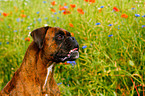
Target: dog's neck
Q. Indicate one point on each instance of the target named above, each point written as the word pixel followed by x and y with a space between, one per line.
pixel 42 69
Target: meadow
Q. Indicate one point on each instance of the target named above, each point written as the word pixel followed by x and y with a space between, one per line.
pixel 111 35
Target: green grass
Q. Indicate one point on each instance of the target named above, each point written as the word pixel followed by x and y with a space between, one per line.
pixel 107 67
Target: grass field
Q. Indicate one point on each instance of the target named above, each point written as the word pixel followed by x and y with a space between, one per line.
pixel 111 35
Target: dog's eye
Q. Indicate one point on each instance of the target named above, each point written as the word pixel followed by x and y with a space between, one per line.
pixel 60 37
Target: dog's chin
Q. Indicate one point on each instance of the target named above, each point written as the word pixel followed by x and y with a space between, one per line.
pixel 71 56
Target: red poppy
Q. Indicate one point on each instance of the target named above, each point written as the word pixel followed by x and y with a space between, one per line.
pixel 124 16
pixel 86 0
pixel 62 8
pixel 27 39
pixel 100 10
pixel 66 63
pixel 116 9
pixel 1 19
pixel 66 12
pixel 72 5
pixel 72 34
pixel 71 25
pixel 92 1
pixel 53 10
pixel 80 10
pixel 65 4
pixel 53 3
pixel 59 5
pixel 5 14
pixel 22 11
pixel 23 15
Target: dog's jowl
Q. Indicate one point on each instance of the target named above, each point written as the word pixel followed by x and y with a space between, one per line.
pixel 50 46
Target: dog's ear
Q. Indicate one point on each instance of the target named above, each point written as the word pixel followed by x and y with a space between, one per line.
pixel 38 35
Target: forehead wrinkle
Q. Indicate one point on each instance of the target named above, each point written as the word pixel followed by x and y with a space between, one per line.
pixel 68 33
pixel 63 30
pixel 50 33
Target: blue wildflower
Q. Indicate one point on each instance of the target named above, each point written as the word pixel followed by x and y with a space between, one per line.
pixel 52 16
pixel 38 12
pixel 143 26
pixel 46 18
pixel 97 23
pixel 18 19
pixel 110 24
pixel 63 10
pixel 55 13
pixel 15 30
pixel 7 42
pixel 118 27
pixel 143 16
pixel 71 62
pixel 74 62
pixel 65 6
pixel 137 15
pixel 84 47
pixel 39 19
pixel 9 26
pixel 0 43
pixel 57 17
pixel 132 8
pixel 34 22
pixel 0 14
pixel 102 7
pixel 59 83
pixel 44 1
pixel 110 35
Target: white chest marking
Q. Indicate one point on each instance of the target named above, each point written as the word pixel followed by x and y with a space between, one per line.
pixel 46 94
pixel 49 69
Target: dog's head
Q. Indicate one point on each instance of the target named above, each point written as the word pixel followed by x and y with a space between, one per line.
pixel 56 44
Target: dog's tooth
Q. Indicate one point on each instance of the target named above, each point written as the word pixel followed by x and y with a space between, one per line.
pixel 68 55
pixel 70 51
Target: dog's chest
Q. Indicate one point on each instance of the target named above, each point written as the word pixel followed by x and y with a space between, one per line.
pixel 49 70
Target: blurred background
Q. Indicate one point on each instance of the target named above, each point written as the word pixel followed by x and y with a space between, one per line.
pixel 111 35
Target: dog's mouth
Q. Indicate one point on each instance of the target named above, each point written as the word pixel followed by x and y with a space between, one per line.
pixel 70 56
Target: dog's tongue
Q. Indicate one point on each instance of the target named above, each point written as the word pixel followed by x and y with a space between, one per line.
pixel 72 51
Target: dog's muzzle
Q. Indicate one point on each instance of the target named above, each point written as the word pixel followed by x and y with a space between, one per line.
pixel 69 50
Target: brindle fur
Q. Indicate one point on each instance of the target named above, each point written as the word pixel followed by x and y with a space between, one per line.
pixel 29 79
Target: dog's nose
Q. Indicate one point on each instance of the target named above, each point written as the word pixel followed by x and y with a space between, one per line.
pixel 75 41
pixel 77 46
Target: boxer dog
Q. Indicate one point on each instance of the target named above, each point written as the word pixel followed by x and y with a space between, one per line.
pixel 50 45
